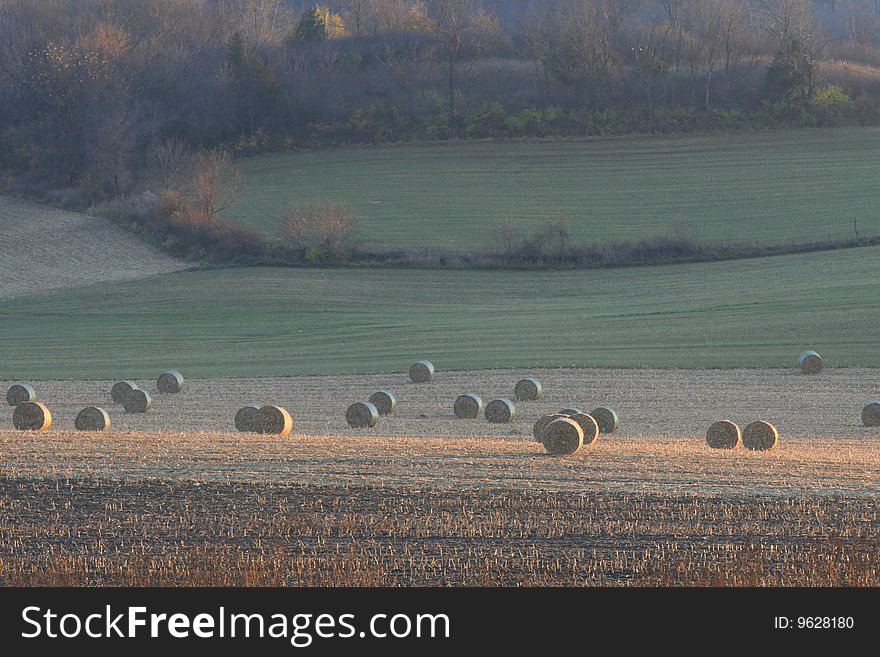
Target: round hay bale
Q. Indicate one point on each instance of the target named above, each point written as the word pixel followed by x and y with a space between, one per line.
pixel 607 419
pixel 810 362
pixel 170 382
pixel 570 411
pixel 538 431
pixel 500 411
pixel 563 437
pixel 468 406
pixel 760 437
pixel 20 393
pixel 871 414
pixel 244 418
pixel 421 372
pixel 384 401
pixel 362 415
pixel 31 416
pixel 589 426
pixel 528 389
pixel 273 420
pixel 120 390
pixel 92 418
pixel 137 401
pixel 724 434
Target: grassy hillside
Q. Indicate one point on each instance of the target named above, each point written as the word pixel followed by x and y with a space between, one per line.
pixel 776 187
pixel 295 322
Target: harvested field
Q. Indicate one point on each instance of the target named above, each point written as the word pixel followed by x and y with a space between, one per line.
pixel 45 249
pixel 650 402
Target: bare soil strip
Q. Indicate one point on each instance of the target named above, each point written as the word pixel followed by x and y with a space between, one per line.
pixel 43 248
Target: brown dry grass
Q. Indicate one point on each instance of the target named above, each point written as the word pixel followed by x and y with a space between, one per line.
pixel 44 248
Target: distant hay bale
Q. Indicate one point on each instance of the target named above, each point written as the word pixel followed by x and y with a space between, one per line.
pixel 589 426
pixel 760 437
pixel 563 437
pixel 500 411
pixel 539 430
pixel 20 393
pixel 724 434
pixel 137 401
pixel 362 415
pixel 120 390
pixel 421 372
pixel 92 418
pixel 871 414
pixel 607 419
pixel 570 411
pixel 811 362
pixel 31 416
pixel 468 406
pixel 244 418
pixel 384 401
pixel 273 420
pixel 170 382
pixel 528 389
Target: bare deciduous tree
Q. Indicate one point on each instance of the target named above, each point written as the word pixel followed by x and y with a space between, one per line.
pixel 215 183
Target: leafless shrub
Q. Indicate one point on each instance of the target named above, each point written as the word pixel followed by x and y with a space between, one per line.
pixel 320 231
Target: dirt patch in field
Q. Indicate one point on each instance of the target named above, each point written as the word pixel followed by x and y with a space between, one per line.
pixel 43 248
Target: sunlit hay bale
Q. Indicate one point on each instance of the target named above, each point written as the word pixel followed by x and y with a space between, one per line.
pixel 170 382
pixel 563 437
pixel 273 420
pixel 528 389
pixel 20 393
pixel 871 414
pixel 538 431
pixel 724 434
pixel 421 372
pixel 120 390
pixel 500 411
pixel 468 406
pixel 607 419
pixel 760 436
pixel 31 416
pixel 589 426
pixel 92 418
pixel 384 401
pixel 811 362
pixel 244 418
pixel 137 401
pixel 570 411
pixel 362 415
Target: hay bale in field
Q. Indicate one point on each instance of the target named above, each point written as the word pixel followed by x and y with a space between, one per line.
pixel 871 414
pixel 20 393
pixel 500 411
pixel 362 415
pixel 538 431
pixel 120 389
pixel 607 419
pixel 528 389
pixel 273 420
pixel 810 362
pixel 31 416
pixel 137 401
pixel 170 382
pixel 760 436
pixel 468 406
pixel 724 434
pixel 589 426
pixel 570 411
pixel 92 418
pixel 244 418
pixel 421 372
pixel 563 437
pixel 384 401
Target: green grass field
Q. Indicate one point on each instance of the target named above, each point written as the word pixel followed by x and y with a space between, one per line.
pixel 778 187
pixel 264 321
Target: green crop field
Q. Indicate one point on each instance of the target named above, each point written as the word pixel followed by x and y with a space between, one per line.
pixel 777 187
pixel 266 321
